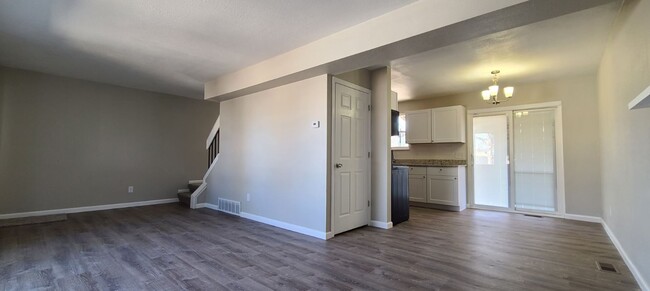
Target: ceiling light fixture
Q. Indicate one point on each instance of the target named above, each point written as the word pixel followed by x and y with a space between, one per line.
pixel 491 94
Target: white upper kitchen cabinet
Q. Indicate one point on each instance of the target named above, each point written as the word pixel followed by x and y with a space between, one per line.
pixel 448 124
pixel 436 125
pixel 418 126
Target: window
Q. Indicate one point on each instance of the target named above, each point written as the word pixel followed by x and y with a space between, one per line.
pixel 399 142
pixel 483 149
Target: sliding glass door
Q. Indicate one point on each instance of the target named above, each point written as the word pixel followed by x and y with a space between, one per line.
pixel 491 172
pixel 513 160
pixel 534 163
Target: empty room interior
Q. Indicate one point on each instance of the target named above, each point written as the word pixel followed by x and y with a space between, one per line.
pixel 437 145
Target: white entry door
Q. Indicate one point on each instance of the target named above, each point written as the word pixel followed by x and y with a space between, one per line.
pixel 350 156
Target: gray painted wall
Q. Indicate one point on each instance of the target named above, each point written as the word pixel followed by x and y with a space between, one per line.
pixel 71 143
pixel 580 135
pixel 625 134
pixel 269 150
pixel 359 77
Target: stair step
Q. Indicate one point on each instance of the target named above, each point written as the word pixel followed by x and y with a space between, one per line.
pixel 185 198
pixel 193 187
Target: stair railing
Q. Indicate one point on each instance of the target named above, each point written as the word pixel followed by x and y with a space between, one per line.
pixel 212 147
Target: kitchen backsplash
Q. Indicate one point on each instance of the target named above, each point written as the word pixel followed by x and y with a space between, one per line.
pixel 443 151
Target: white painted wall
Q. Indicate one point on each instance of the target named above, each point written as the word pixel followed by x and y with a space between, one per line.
pixel 269 149
pixel 625 135
pixel 380 161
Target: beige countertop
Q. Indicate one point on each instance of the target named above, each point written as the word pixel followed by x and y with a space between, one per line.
pixel 430 163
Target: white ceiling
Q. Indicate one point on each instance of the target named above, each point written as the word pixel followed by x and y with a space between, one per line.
pixel 568 45
pixel 167 46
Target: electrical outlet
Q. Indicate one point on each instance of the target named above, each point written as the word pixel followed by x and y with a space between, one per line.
pixel 248 196
pixel 130 189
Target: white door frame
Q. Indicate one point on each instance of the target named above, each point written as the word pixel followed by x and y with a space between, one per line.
pixel 332 156
pixel 559 156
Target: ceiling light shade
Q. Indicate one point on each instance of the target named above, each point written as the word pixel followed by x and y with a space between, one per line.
pixel 491 95
pixel 486 95
pixel 508 91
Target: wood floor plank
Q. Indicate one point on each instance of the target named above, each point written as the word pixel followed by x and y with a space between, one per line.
pixel 168 247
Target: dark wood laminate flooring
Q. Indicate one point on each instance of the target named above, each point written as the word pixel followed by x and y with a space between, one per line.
pixel 168 247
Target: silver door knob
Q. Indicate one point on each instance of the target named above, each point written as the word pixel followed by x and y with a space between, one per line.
pixel 339 165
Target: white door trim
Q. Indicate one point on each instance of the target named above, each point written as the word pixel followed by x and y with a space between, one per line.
pixel 332 156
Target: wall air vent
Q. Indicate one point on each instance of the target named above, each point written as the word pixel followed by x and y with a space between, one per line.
pixel 229 206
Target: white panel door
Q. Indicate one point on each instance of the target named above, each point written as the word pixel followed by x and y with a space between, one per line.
pixel 418 126
pixel 445 125
pixel 350 157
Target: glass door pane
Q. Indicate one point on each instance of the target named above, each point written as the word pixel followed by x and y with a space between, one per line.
pixel 490 142
pixel 534 164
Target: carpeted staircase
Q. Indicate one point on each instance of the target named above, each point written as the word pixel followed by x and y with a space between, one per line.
pixel 186 196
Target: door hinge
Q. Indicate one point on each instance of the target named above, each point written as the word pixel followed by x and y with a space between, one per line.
pixel 368 154
pixel 368 203
pixel 369 107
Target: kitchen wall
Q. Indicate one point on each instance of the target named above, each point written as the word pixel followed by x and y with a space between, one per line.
pixel 268 149
pixel 70 143
pixel 579 99
pixel 624 73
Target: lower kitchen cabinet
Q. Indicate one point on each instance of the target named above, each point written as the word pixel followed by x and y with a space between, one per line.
pixel 418 188
pixel 442 190
pixel 444 186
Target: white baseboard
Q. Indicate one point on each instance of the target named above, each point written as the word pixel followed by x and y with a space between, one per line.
pixel 381 224
pixel 285 225
pixel 587 218
pixel 87 208
pixel 635 272
pixel 207 205
pixel 276 223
